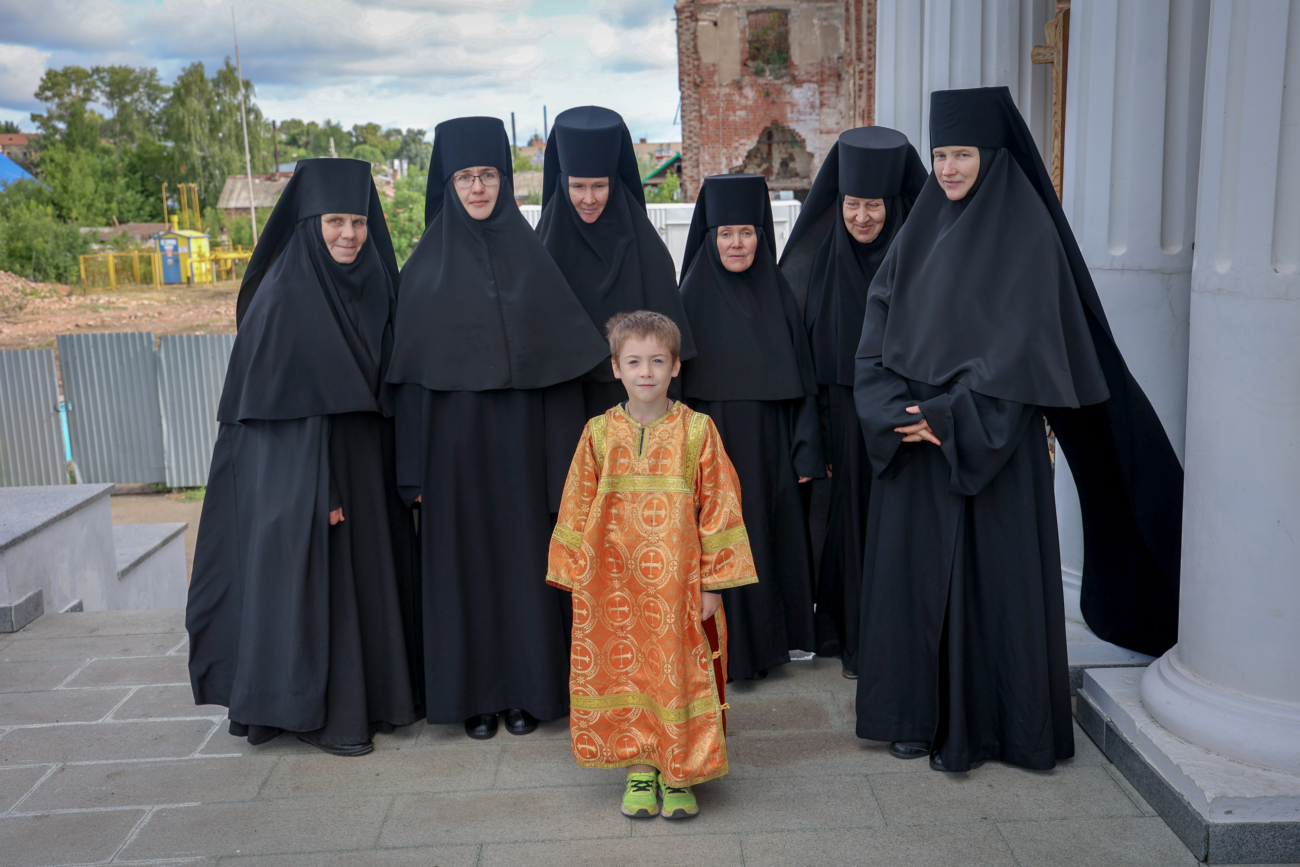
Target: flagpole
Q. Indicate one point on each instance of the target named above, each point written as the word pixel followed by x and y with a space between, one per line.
pixel 243 113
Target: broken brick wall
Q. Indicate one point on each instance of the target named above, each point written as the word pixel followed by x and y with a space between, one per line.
pixel 768 87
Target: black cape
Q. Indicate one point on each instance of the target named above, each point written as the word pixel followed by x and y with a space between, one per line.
pixel 296 625
pixel 490 342
pixel 754 377
pixel 830 272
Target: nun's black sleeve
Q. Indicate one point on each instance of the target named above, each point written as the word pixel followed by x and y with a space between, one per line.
pixel 806 450
pixel 882 398
pixel 978 435
pixel 408 424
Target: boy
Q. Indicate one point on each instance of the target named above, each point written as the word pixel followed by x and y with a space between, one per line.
pixel 650 529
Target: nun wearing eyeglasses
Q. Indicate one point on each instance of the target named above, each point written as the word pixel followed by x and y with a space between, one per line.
pixel 490 343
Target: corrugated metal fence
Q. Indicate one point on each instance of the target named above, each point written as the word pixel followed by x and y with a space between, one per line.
pixel 31 444
pixel 191 371
pixel 114 419
pixel 134 415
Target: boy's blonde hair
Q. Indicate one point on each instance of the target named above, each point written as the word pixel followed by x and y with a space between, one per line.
pixel 643 324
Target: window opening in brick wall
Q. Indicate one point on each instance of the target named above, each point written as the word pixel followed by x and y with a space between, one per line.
pixel 769 44
pixel 781 156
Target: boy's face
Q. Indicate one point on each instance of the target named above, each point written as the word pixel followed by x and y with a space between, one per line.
pixel 645 367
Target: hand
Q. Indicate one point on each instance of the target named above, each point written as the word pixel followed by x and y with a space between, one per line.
pixel 710 603
pixel 828 471
pixel 420 499
pixel 915 433
pixel 803 479
pixel 336 516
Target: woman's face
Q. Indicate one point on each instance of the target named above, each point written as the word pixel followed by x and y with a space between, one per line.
pixel 864 218
pixel 956 167
pixel 737 246
pixel 345 235
pixel 478 188
pixel 589 197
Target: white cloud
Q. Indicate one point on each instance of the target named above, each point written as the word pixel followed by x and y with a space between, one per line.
pixel 396 62
pixel 21 68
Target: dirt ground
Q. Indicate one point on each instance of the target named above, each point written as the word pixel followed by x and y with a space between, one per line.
pixel 33 314
pixel 159 509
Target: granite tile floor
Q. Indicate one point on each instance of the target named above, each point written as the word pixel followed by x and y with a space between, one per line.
pixel 104 759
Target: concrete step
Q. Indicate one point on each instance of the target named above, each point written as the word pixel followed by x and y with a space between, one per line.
pixel 1085 650
pixel 150 566
pixel 56 547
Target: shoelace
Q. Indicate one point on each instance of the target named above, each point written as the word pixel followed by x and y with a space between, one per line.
pixel 673 790
pixel 641 787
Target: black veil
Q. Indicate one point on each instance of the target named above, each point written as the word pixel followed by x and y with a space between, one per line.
pixel 618 263
pixel 829 271
pixel 485 306
pixel 314 336
pixel 747 326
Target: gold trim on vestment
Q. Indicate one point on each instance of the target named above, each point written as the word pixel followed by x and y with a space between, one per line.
pixel 641 701
pixel 656 484
pixel 698 426
pixel 598 426
pixel 715 543
pixel 751 578
pixel 563 534
pixel 552 578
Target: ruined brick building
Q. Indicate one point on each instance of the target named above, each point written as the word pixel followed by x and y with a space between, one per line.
pixel 767 87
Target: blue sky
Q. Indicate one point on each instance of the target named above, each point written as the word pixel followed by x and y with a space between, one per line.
pixel 407 63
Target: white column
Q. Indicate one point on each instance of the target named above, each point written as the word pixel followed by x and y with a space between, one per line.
pixel 1232 683
pixel 1132 145
pixel 944 44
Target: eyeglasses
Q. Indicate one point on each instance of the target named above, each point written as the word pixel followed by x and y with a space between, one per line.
pixel 465 180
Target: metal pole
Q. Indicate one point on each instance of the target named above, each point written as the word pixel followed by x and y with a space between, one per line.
pixel 166 219
pixel 243 113
pixel 514 139
pixel 275 145
pixel 545 134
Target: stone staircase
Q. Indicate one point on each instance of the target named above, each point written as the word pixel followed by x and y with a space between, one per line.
pixel 59 551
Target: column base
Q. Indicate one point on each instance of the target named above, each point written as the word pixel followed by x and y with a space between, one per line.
pixel 1085 650
pixel 1225 811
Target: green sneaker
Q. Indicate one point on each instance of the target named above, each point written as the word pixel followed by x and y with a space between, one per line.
pixel 678 803
pixel 639 800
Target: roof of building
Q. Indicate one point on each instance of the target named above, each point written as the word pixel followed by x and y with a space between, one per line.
pixel 266 191
pixel 10 171
pixel 17 138
pixel 658 174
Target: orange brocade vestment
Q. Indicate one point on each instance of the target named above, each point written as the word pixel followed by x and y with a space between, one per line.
pixel 650 518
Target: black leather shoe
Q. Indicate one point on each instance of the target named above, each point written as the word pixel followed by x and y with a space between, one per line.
pixel 520 722
pixel 339 750
pixel 909 749
pixel 937 764
pixel 482 727
pixel 851 675
pixel 761 674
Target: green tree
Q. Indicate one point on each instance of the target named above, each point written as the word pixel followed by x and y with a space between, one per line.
pixel 135 97
pixel 68 118
pixel 668 191
pixel 33 242
pixel 405 213
pixel 8 126
pixel 369 153
pixel 413 147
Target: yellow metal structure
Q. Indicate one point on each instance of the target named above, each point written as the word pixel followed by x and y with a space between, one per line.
pixel 145 267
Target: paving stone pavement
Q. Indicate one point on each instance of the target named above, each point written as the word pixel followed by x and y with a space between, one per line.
pixel 104 759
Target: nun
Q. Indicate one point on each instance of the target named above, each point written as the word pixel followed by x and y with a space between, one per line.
pixel 490 343
pixel 982 321
pixel 860 199
pixel 753 376
pixel 299 605
pixel 595 227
